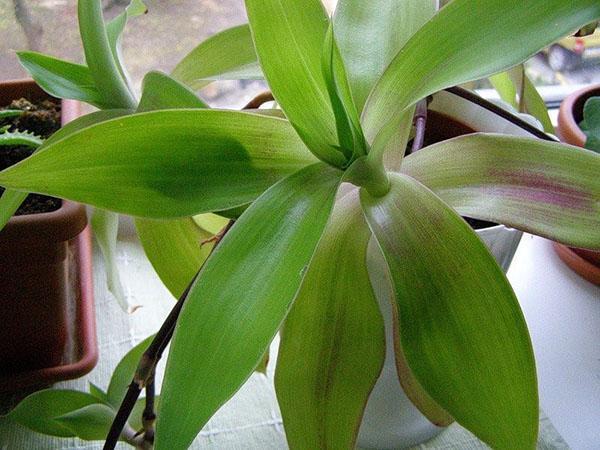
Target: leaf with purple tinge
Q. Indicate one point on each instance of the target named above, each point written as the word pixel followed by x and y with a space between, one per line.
pixel 535 186
pixel 461 328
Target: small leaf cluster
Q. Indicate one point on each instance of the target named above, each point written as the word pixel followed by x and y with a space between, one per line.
pixel 86 415
pixel 591 123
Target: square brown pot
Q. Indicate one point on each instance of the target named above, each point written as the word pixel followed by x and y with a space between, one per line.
pixel 44 315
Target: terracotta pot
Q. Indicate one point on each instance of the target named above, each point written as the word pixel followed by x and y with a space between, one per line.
pixel 585 262
pixel 36 280
pixel 390 419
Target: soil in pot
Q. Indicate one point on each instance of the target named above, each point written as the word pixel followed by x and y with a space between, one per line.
pixel 41 118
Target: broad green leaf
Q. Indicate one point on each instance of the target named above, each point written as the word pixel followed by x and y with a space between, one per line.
pixel 212 223
pixel 103 68
pixel 178 162
pixel 383 288
pixel 332 344
pixel 11 200
pixel 97 392
pixel 83 122
pixel 227 55
pixel 9 204
pixel 173 247
pixel 544 188
pixel 468 40
pixel 90 423
pixel 123 373
pixel 240 299
pixel 505 87
pixel 174 250
pixel 39 411
pixel 62 79
pixel 159 91
pixel 462 331
pixel 106 228
pixel 371 33
pixel 289 37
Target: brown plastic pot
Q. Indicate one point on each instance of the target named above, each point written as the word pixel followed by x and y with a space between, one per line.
pixel 48 328
pixel 585 262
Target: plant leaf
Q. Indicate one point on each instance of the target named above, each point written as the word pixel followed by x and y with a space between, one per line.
pixel 514 81
pixel 544 188
pixel 535 105
pixel 211 223
pixel 468 40
pixel 9 204
pixel 123 373
pixel 371 33
pixel 106 228
pixel 240 299
pixel 62 79
pixel 39 410
pixel 90 423
pixel 591 123
pixel 104 69
pixel 349 132
pixel 83 122
pixel 503 84
pixel 289 37
pixel 9 113
pixel 97 392
pixel 383 287
pixel 11 200
pixel 178 162
pixel 10 138
pixel 461 328
pixel 160 91
pixel 332 344
pixel 174 250
pixel 228 55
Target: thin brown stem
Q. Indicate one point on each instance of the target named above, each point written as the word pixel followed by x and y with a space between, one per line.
pixel 260 100
pixel 149 416
pixel 420 122
pixel 144 375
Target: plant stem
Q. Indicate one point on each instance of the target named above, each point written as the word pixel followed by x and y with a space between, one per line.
pixel 259 100
pixel 420 121
pixel 149 416
pixel 474 98
pixel 144 374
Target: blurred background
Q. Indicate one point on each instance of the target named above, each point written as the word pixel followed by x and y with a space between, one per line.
pixel 172 28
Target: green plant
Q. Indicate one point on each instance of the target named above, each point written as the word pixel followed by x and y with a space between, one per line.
pixel 591 123
pixel 87 415
pixel 296 258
